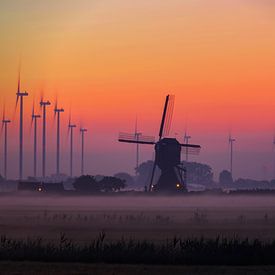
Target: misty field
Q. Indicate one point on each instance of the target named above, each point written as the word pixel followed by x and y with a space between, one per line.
pixel 157 219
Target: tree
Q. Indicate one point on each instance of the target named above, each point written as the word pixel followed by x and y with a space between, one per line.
pixel 144 171
pixel 198 173
pixel 225 178
pixel 86 184
pixel 110 184
pixel 129 180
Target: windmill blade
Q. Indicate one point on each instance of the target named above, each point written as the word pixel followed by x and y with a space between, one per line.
pixel 166 116
pixel 170 110
pixel 191 149
pixel 133 138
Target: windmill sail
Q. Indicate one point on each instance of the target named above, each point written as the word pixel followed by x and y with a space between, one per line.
pixel 166 116
pixel 190 149
pixel 133 138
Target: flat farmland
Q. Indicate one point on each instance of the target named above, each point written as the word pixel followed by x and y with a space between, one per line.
pixel 82 218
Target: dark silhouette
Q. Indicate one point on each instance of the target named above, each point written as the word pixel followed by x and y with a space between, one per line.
pixel 198 173
pixel 111 184
pixel 129 180
pixel 144 171
pixel 167 153
pixel 225 178
pixel 86 184
pixel 89 184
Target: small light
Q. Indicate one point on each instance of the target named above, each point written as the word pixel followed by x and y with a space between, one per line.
pixel 39 189
pixel 178 185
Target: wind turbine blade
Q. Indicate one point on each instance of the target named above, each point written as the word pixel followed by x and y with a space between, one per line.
pixel 41 98
pixel 18 84
pixel 32 115
pixel 4 112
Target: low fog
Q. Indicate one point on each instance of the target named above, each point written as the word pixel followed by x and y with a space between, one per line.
pixel 137 217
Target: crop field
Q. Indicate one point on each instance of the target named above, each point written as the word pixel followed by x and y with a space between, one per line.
pixel 135 217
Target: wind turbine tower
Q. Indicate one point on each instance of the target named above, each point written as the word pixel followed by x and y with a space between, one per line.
pixel 186 141
pixel 19 97
pixel 34 122
pixel 44 105
pixel 137 138
pixel 274 157
pixel 57 112
pixel 82 131
pixel 231 141
pixel 71 128
pixel 5 123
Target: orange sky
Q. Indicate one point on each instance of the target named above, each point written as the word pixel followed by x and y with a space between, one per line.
pixel 112 60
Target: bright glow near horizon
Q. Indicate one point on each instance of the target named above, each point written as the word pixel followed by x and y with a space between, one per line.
pixel 112 60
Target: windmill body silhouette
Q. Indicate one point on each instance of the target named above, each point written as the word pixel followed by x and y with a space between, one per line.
pixel 20 97
pixel 57 112
pixel 167 153
pixel 5 123
pixel 44 105
pixel 70 131
pixel 35 117
pixel 82 131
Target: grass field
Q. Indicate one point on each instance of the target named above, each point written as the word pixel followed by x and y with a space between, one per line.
pixel 151 218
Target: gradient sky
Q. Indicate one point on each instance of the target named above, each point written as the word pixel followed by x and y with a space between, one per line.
pixel 110 61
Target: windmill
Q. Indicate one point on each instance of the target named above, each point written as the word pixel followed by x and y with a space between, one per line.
pixel 43 105
pixel 57 112
pixel 231 141
pixel 167 153
pixel 19 97
pixel 5 123
pixel 34 123
pixel 70 131
pixel 186 141
pixel 82 131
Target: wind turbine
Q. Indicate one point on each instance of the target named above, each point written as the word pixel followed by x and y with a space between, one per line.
pixel 186 141
pixel 5 123
pixel 19 97
pixel 82 131
pixel 57 112
pixel 43 105
pixel 137 137
pixel 231 141
pixel 34 122
pixel 70 131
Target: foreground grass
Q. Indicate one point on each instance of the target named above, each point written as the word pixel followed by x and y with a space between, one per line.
pixel 31 268
pixel 176 251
